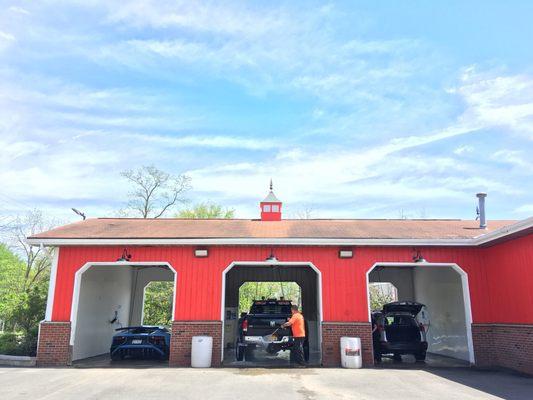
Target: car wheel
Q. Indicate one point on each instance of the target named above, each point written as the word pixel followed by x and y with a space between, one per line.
pixel 397 357
pixel 116 357
pixel 239 353
pixel 420 356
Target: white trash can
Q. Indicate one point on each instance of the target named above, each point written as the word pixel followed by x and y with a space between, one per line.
pixel 201 351
pixel 351 353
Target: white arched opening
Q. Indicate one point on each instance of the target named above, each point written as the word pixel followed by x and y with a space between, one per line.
pixel 426 267
pixel 276 263
pixel 105 298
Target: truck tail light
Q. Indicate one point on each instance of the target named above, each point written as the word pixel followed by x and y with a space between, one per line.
pixel 381 328
pixel 422 327
pixel 244 325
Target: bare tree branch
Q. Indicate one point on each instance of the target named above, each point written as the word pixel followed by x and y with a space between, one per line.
pixel 37 261
pixel 155 191
pixel 307 211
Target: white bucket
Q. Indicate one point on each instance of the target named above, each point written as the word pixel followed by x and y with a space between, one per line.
pixel 201 351
pixel 351 353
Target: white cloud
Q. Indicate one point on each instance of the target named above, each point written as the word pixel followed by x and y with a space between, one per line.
pixel 221 142
pixel 6 40
pixel 513 157
pixel 498 101
pixel 18 10
pixel 463 150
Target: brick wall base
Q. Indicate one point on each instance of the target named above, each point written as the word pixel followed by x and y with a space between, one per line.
pixel 504 345
pixel 53 349
pixel 181 339
pixel 331 337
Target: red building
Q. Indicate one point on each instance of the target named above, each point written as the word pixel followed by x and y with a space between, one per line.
pixel 476 281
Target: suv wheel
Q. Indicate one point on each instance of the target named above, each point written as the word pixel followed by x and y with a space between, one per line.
pixel 420 356
pixel 239 350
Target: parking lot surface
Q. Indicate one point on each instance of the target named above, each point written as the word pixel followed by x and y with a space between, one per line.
pixel 260 384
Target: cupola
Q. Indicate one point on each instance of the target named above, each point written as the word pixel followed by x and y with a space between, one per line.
pixel 270 207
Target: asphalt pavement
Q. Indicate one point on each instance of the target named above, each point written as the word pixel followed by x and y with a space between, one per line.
pixel 260 384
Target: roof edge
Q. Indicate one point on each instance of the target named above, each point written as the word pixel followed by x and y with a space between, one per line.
pixel 504 231
pixel 484 239
pixel 249 241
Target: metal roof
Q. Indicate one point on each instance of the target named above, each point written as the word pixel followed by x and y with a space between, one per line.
pixel 271 198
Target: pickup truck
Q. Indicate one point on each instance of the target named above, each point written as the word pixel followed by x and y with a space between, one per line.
pixel 264 317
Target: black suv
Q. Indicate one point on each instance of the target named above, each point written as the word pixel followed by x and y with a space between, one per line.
pixel 399 332
pixel 264 318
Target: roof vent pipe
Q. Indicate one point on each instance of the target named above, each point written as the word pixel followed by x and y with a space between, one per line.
pixel 481 210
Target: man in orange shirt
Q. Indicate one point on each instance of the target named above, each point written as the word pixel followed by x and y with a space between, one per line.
pixel 297 325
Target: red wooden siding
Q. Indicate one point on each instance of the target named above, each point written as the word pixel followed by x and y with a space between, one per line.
pixel 199 282
pixel 509 272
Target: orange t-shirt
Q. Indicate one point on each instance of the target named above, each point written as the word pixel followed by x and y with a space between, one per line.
pixel 297 325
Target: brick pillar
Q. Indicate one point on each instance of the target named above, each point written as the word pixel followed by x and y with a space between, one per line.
pixel 181 339
pixel 331 338
pixel 483 345
pixel 504 345
pixel 53 348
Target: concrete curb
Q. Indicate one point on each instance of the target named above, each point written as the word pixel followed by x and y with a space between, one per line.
pixel 17 361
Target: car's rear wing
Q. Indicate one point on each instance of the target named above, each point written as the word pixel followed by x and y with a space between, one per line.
pixel 147 327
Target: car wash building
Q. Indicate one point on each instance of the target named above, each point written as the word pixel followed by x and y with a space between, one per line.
pixel 475 277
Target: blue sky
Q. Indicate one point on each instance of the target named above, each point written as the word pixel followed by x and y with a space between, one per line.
pixel 355 109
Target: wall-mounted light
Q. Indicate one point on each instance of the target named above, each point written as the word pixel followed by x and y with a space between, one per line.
pixel 345 253
pixel 125 257
pixel 418 258
pixel 201 253
pixel 271 258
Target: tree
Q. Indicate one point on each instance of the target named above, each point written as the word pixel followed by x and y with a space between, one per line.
pixel 205 211
pixel 158 302
pixel 306 212
pixel 11 282
pixel 24 276
pixel 155 191
pixel 21 306
pixel 37 259
pixel 381 293
pixel 250 291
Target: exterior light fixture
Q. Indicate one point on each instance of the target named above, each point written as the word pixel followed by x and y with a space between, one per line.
pixel 79 213
pixel 271 258
pixel 201 253
pixel 345 253
pixel 125 257
pixel 418 258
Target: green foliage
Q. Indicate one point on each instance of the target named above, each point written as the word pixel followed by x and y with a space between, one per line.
pixel 22 303
pixel 11 281
pixel 11 344
pixel 206 211
pixel 251 291
pixel 381 294
pixel 158 303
